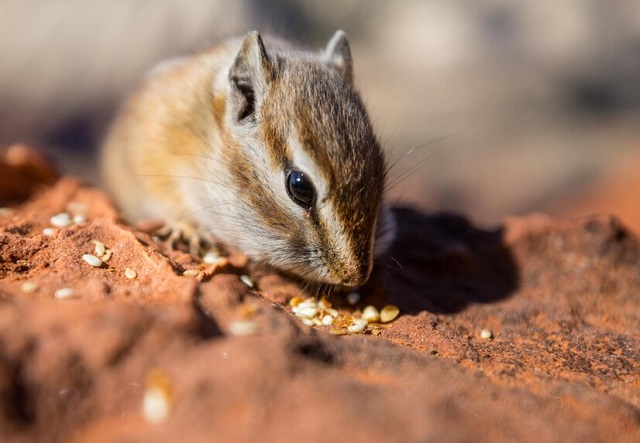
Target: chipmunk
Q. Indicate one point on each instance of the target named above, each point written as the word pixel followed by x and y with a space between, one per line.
pixel 267 149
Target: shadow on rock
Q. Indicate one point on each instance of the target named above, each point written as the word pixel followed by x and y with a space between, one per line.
pixel 441 263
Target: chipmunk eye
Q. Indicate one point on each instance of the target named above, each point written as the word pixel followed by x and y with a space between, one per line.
pixel 300 189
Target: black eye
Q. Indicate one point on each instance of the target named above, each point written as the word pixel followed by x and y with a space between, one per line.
pixel 300 189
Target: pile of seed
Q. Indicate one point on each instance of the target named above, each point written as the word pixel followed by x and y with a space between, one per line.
pixel 319 312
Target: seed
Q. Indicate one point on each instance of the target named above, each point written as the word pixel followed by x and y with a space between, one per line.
pixel 247 280
pixel 337 331
pixel 212 258
pixel 242 328
pixel 79 219
pixel 107 255
pixel 371 314
pixel 295 301
pixel 324 304
pixel 61 220
pixel 99 248
pixel 353 298
pixel 308 303
pixel 48 232
pixel 486 334
pixel 156 402
pixel 130 273
pixel 358 325
pixel 6 211
pixel 389 313
pixel 63 293
pixel 29 287
pixel 333 312
pixel 191 273
pixel 327 320
pixel 92 260
pixel 307 321
pixel 306 312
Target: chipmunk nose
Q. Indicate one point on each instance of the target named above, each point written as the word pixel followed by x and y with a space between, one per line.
pixel 357 275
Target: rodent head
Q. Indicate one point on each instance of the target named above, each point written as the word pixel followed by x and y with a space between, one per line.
pixel 304 161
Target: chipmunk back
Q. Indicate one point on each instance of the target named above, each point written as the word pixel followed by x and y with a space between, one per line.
pixel 267 148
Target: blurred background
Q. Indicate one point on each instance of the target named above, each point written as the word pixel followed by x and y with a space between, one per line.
pixel 490 108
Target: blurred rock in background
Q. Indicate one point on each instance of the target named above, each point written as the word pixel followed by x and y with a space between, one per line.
pixel 539 99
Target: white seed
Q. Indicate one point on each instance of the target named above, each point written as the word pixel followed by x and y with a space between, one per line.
pixel 79 219
pixel 6 211
pixel 99 248
pixel 358 325
pixel 155 405
pixel 333 312
pixel 486 334
pixel 327 320
pixel 307 321
pixel 323 304
pixel 303 311
pixel 389 313
pixel 370 314
pixel 130 273
pixel 61 220
pixel 48 232
pixel 212 258
pixel 242 328
pixel 29 287
pixel 191 273
pixel 309 303
pixel 63 293
pixel 92 260
pixel 247 280
pixel 353 298
pixel 107 255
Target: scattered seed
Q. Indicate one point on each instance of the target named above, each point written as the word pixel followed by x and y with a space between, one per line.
pixel 247 280
pixel 212 258
pixel 327 320
pixel 305 312
pixel 371 314
pixel 389 313
pixel 486 334
pixel 191 273
pixel 48 232
pixel 107 255
pixel 130 273
pixel 29 287
pixel 333 312
pixel 61 220
pixel 99 248
pixel 307 321
pixel 156 402
pixel 92 260
pixel 243 328
pixel 79 219
pixel 5 211
pixel 353 298
pixel 295 301
pixel 337 331
pixel 358 325
pixel 63 293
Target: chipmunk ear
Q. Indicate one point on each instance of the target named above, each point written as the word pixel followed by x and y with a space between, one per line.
pixel 249 75
pixel 338 52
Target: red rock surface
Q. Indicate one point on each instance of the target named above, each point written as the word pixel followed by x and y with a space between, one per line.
pixel 561 299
